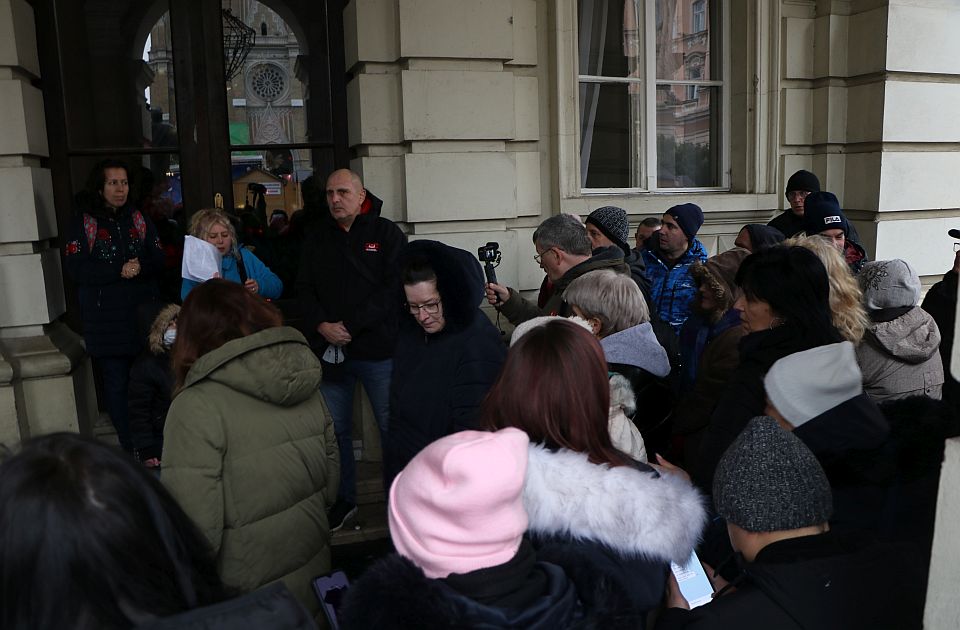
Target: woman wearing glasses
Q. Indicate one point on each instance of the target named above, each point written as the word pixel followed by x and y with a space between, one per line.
pixel 448 352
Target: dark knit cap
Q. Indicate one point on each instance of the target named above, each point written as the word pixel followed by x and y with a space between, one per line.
pixel 768 480
pixel 821 211
pixel 612 221
pixel 688 216
pixel 803 180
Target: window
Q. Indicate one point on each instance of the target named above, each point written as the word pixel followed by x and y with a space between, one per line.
pixel 650 95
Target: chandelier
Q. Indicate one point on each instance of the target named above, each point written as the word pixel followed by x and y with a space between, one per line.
pixel 238 39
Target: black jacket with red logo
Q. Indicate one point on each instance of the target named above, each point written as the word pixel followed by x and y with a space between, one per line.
pixel 353 277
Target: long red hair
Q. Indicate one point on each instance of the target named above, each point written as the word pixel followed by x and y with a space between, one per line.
pixel 554 386
pixel 214 313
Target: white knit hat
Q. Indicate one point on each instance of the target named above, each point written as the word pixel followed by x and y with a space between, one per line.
pixel 805 384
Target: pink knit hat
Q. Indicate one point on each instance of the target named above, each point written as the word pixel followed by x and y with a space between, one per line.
pixel 457 506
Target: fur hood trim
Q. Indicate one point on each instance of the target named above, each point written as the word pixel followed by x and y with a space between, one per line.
pixel 159 327
pixel 634 513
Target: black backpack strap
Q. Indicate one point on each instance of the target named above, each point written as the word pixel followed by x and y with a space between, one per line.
pixel 241 269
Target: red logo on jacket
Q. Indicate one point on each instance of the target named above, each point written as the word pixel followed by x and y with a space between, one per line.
pixel 371 247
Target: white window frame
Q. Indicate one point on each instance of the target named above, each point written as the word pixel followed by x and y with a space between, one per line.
pixel 648 109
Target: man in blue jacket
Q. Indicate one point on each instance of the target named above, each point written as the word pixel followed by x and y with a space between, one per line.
pixel 668 258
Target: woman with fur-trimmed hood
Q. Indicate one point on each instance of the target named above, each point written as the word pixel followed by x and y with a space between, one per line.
pixel 448 352
pixel 151 388
pixel 613 524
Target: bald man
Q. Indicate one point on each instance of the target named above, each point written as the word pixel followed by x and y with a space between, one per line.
pixel 349 292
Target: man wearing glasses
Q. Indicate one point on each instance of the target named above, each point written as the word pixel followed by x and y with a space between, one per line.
pixel 800 184
pixel 563 251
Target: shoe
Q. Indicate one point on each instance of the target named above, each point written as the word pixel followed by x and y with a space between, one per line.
pixel 340 513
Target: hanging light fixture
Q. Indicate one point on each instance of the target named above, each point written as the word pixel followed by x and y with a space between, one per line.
pixel 238 39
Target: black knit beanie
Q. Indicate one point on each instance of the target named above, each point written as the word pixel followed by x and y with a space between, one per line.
pixel 803 180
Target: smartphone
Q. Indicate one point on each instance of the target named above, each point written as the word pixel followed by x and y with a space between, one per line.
pixel 330 590
pixel 694 583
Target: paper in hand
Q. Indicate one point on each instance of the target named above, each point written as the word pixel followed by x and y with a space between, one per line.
pixel 201 260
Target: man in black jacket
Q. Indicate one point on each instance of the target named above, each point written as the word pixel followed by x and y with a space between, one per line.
pixel 796 573
pixel 349 293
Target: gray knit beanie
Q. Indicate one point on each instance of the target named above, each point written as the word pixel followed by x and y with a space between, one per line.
pixel 768 481
pixel 612 221
pixel 889 284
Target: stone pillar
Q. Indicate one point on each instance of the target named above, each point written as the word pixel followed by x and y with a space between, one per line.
pixel 943 606
pixel 46 383
pixel 445 118
pixel 869 105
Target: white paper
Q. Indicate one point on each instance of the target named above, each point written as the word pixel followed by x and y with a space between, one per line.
pixel 201 260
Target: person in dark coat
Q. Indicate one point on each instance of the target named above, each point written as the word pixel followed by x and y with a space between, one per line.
pixel 941 303
pixel 151 388
pixel 800 184
pixel 822 215
pixel 708 347
pixel 755 237
pixel 796 572
pixel 448 352
pixel 457 520
pixel 114 256
pixel 785 308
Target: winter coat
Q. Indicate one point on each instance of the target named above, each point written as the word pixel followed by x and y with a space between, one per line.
pixel 621 526
pixel 744 396
pixel 790 225
pixel 636 355
pixel 941 303
pixel 854 254
pixel 440 379
pixel 150 389
pixel 249 453
pixel 353 277
pixel 900 357
pixel 270 285
pixel 851 443
pixel 99 244
pixel 394 594
pixel 638 271
pixel 270 608
pixel 822 582
pixel 518 309
pixel 672 286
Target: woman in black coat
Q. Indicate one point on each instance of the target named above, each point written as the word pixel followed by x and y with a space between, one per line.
pixel 448 352
pixel 151 388
pixel 784 309
pixel 114 257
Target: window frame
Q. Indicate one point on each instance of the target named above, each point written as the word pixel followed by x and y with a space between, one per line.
pixel 648 167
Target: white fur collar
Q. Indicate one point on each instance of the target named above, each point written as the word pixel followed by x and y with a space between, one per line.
pixel 632 512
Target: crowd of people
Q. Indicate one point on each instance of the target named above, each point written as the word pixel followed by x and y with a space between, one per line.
pixel 778 409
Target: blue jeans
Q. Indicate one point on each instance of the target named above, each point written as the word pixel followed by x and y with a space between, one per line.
pixel 375 376
pixel 115 374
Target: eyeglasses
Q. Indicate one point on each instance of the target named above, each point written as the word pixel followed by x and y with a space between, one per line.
pixel 798 194
pixel 431 308
pixel 539 257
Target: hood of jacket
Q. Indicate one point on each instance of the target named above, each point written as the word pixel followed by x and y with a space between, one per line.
pixel 460 280
pixel 370 209
pixel 160 324
pixel 720 272
pixel 275 365
pixel 633 512
pixel 395 593
pixel 763 236
pixel 637 346
pixel 634 260
pixel 913 337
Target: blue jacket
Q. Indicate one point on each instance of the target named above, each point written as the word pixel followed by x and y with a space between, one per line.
pixel 672 288
pixel 270 285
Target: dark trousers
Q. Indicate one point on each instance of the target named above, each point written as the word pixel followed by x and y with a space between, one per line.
pixel 115 375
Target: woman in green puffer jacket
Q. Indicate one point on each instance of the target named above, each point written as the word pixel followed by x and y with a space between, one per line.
pixel 249 449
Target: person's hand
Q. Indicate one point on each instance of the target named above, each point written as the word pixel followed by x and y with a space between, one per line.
pixel 495 291
pixel 251 286
pixel 153 462
pixel 335 333
pixel 130 269
pixel 675 598
pixel 716 580
pixel 666 467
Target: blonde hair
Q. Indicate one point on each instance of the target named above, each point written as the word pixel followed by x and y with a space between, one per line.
pixel 611 297
pixel 203 220
pixel 846 298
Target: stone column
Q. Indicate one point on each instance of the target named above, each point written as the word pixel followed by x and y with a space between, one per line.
pixel 46 382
